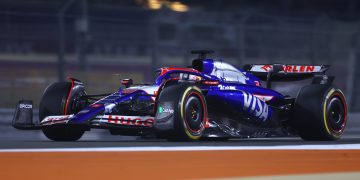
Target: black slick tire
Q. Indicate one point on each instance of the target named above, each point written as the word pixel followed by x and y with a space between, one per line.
pixel 189 113
pixel 320 113
pixel 53 103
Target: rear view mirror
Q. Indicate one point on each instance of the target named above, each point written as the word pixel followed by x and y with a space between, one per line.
pixel 127 82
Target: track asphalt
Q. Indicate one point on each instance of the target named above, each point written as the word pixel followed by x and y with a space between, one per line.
pixel 26 144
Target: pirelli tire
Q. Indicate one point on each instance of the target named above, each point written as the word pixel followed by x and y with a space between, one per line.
pixel 53 102
pixel 320 113
pixel 188 121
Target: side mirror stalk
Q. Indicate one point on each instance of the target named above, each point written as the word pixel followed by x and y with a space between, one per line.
pixel 276 68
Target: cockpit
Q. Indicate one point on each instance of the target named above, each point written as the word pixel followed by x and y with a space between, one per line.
pixel 215 70
pixel 224 71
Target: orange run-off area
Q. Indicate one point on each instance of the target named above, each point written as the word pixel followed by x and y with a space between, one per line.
pixel 174 164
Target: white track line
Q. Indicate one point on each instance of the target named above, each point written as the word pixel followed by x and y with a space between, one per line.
pixel 312 176
pixel 190 148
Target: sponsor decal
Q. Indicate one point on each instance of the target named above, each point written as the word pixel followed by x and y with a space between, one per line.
pixel 224 87
pixel 162 109
pixel 191 77
pixel 288 68
pixel 264 98
pixel 266 67
pixel 255 106
pixel 25 106
pixel 292 68
pixel 145 121
pixel 56 119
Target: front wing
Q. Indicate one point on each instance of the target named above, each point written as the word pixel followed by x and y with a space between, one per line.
pixel 24 112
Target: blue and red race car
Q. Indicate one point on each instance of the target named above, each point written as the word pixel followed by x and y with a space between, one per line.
pixel 209 100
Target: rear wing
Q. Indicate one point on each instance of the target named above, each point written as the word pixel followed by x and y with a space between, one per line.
pixel 286 69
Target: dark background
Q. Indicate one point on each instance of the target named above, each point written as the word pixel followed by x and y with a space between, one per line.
pixel 100 41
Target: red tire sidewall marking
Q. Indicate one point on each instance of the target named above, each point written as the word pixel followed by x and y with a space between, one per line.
pixel 203 122
pixel 343 103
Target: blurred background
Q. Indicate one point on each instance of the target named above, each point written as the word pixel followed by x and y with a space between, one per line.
pixel 100 41
pixel 44 41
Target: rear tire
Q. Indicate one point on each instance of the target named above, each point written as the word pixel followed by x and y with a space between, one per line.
pixel 320 113
pixel 53 103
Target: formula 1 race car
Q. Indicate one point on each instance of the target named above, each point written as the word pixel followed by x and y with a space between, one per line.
pixel 211 100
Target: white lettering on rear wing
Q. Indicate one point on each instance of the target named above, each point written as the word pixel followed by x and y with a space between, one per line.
pixel 290 68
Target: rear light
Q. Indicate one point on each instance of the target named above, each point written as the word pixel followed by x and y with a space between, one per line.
pixel 210 82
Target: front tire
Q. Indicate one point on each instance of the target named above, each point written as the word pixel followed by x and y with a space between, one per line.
pixel 320 113
pixel 53 102
pixel 188 119
pixel 191 124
